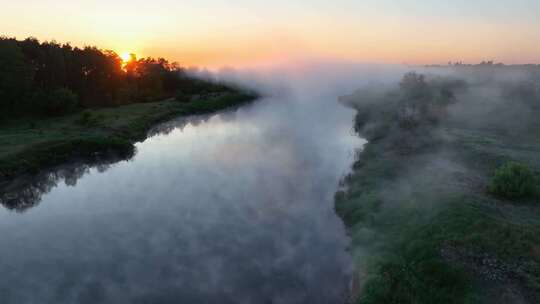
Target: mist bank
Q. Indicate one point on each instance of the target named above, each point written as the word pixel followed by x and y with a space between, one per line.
pixel 442 204
pixel 235 207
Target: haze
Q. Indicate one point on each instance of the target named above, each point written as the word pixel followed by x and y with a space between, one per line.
pixel 216 33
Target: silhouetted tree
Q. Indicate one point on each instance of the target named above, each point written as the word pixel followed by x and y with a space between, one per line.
pixel 48 78
pixel 15 78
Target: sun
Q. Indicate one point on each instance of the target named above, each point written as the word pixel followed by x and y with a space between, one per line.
pixel 126 57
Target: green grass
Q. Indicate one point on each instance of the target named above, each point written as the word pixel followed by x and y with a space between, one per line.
pixel 513 181
pixel 398 238
pixel 415 270
pixel 421 231
pixel 28 145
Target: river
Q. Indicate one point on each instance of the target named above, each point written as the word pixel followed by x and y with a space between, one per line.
pixel 235 207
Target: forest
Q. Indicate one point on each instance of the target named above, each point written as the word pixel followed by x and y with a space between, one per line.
pixel 44 79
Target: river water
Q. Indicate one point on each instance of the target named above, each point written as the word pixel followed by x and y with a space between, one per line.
pixel 235 207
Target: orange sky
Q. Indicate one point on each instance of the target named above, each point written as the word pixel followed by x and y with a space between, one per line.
pixel 244 33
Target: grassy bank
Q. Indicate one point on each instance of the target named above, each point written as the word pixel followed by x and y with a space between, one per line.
pixel 425 223
pixel 29 145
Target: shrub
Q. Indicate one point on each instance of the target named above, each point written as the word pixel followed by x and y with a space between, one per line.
pixel 85 119
pixel 409 116
pixel 88 119
pixel 414 85
pixel 181 97
pixel 61 101
pixel 513 181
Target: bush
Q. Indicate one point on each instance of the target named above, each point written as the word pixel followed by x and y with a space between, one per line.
pixel 513 181
pixel 181 97
pixel 60 102
pixel 88 119
pixel 414 85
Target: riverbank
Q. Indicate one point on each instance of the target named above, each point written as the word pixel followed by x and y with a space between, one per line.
pixel 26 146
pixel 424 224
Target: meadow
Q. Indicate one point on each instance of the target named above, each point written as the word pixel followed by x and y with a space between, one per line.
pixel 442 204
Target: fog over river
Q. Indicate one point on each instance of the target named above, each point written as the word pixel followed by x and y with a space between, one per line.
pixel 235 207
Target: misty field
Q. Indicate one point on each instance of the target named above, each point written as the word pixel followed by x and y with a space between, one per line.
pixel 442 206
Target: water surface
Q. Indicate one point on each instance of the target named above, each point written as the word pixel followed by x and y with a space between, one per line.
pixel 235 207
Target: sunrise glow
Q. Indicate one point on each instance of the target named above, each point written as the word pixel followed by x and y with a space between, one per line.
pixel 216 33
pixel 125 56
pixel 255 151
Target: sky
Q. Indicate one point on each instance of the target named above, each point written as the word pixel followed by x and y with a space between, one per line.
pixel 240 33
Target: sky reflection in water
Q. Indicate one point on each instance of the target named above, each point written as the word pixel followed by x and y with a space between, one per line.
pixel 228 208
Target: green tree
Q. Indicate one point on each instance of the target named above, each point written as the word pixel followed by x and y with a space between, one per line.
pixel 15 78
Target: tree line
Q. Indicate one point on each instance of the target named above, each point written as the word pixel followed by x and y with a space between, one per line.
pixel 49 78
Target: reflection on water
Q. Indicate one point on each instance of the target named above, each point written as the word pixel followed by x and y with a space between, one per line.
pixel 229 208
pixel 26 191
